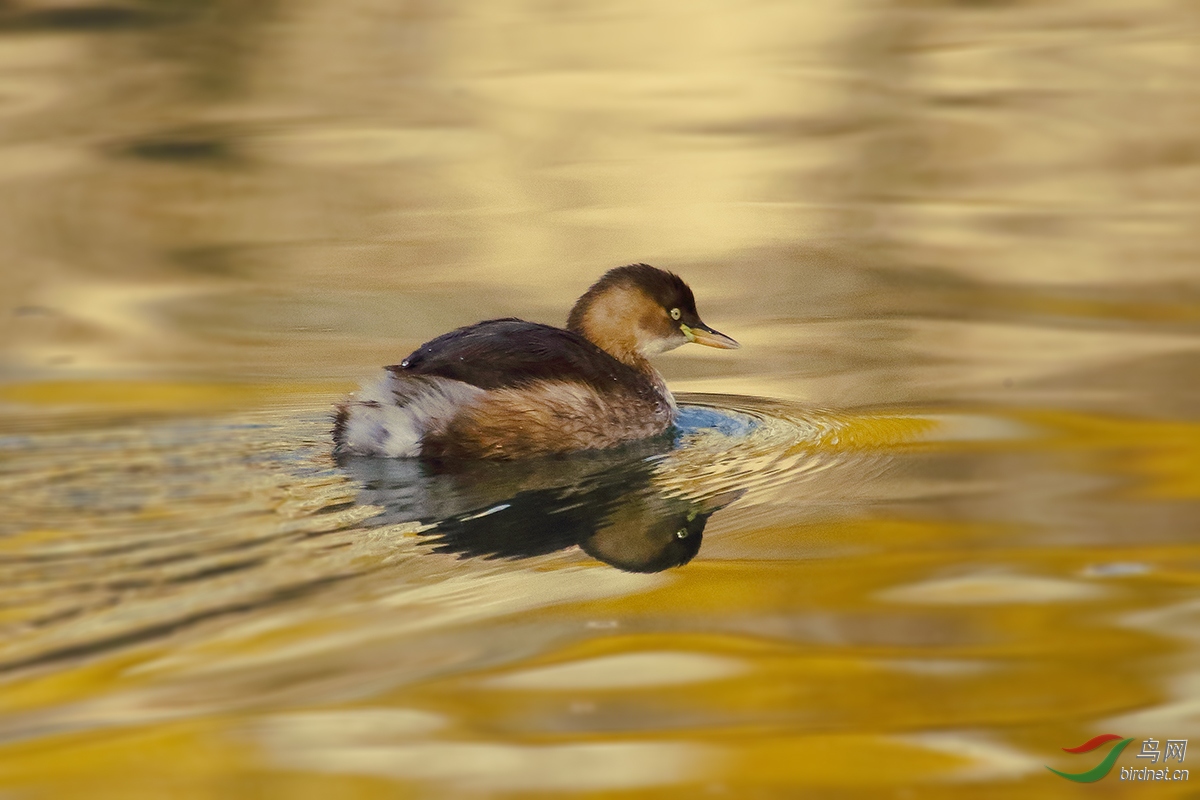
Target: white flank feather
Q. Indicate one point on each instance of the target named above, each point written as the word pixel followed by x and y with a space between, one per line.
pixel 390 416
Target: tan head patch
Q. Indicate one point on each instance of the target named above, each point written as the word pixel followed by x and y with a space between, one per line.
pixel 629 324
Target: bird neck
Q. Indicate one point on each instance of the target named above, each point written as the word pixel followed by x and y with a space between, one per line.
pixel 609 321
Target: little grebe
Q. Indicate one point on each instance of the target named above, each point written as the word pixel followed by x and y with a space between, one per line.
pixel 507 388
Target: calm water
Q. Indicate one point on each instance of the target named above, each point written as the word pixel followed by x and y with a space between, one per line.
pixel 934 522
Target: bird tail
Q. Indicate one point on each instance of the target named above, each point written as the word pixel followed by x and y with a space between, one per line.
pixel 391 416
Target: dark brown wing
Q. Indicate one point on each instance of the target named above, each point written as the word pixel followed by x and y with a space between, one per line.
pixel 503 353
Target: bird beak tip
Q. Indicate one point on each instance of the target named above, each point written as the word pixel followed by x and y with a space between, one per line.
pixel 710 338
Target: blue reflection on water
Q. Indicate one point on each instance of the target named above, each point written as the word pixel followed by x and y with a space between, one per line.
pixel 694 419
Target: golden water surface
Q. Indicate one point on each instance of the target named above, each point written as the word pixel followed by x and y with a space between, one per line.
pixel 947 493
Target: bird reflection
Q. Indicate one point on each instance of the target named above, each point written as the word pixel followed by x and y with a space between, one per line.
pixel 603 502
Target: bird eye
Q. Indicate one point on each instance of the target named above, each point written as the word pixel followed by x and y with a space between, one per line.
pixel 675 313
pixel 681 533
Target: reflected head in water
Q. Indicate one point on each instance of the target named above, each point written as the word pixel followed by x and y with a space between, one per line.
pixel 653 532
pixel 603 502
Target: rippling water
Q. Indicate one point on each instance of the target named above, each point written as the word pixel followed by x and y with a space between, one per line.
pixel 934 522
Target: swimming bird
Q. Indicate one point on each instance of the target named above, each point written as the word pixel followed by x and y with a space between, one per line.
pixel 507 388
